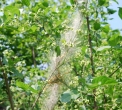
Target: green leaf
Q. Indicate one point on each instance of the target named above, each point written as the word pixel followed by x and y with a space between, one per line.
pixel 58 51
pixel 33 90
pixel 111 11
pixel 35 9
pixel 102 81
pixel 26 2
pixel 83 107
pixel 69 94
pixel 34 28
pixel 109 90
pixel 22 85
pixel 8 30
pixel 120 59
pixel 5 60
pixel 120 12
pixel 113 41
pixel 45 4
pixel 0 21
pixel 16 73
pixel 116 1
pixel 58 35
pixel 1 83
pixel 103 47
pixel 101 2
pixel 106 28
pixel 96 25
pixel 72 2
pixel 25 87
pixel 84 49
pixel 74 94
pixel 65 97
pixel 10 11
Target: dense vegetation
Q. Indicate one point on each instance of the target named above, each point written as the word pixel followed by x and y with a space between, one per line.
pixel 31 31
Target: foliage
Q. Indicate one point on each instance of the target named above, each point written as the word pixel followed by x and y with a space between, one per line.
pixel 30 29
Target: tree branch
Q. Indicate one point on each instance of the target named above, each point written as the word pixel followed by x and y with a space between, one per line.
pixel 90 45
pixel 33 55
pixel 91 58
pixel 115 71
pixel 7 87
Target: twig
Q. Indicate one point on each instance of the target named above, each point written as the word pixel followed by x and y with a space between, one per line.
pixel 115 71
pixel 90 45
pixel 91 59
pixel 7 87
pixel 104 97
pixel 63 82
pixel 33 105
pixel 33 55
pixel 95 103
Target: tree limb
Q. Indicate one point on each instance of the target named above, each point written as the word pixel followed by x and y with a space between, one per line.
pixel 115 71
pixel 7 87
pixel 91 58
pixel 90 45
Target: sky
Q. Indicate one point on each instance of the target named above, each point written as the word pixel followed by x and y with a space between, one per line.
pixel 116 23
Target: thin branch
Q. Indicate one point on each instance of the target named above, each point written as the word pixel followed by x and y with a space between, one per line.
pixel 7 87
pixel 115 71
pixel 75 71
pixel 91 58
pixel 95 103
pixel 90 45
pixel 63 82
pixel 33 105
pixel 33 55
pixel 8 90
pixel 104 97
